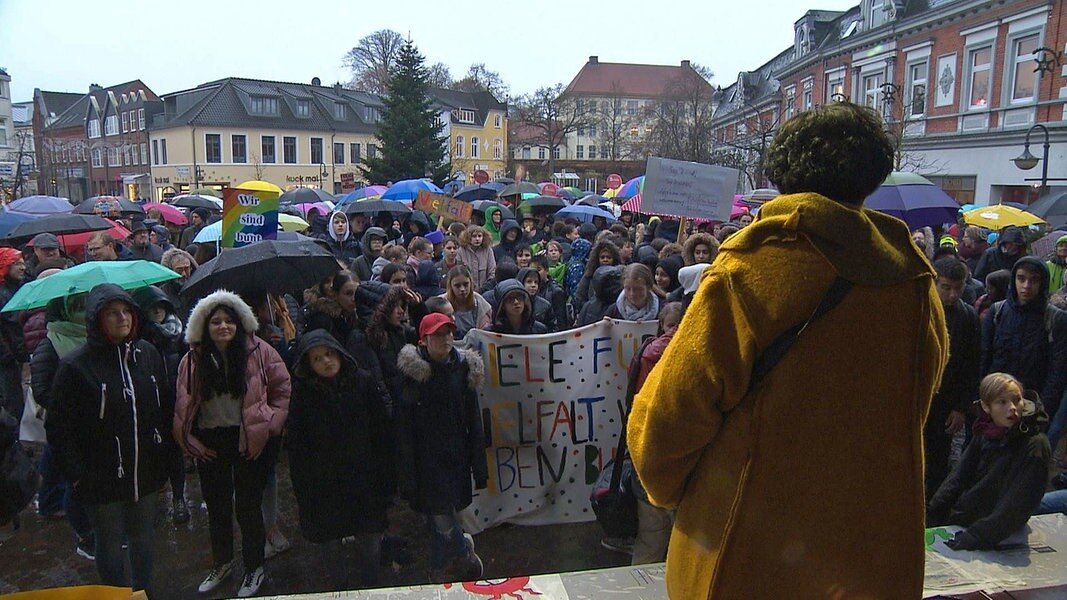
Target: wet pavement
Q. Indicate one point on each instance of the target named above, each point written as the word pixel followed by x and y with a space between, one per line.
pixel 41 554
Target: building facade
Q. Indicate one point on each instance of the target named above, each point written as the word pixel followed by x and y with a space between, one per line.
pixel 959 84
pixel 476 127
pixel 8 168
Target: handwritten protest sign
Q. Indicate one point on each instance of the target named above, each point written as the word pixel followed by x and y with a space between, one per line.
pixel 443 206
pixel 687 189
pixel 552 406
pixel 248 216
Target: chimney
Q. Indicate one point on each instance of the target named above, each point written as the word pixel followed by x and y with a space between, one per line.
pixel 315 81
pixel 594 60
pixel 686 65
pixel 95 87
pixel 337 87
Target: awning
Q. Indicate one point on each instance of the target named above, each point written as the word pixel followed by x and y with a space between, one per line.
pixel 133 178
pixel 568 176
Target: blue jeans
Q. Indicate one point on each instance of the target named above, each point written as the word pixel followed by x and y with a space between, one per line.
pixel 447 540
pixel 53 489
pixel 126 521
pixel 1053 502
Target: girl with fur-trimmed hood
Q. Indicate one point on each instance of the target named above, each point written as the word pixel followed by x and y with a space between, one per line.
pixel 233 398
pixel 700 248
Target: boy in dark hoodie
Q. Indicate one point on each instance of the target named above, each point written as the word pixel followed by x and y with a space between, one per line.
pixel 607 283
pixel 510 236
pixel 373 241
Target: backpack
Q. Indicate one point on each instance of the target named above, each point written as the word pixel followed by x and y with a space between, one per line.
pixel 1050 316
pixel 19 478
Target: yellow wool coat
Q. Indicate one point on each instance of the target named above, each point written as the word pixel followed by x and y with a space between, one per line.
pixel 811 486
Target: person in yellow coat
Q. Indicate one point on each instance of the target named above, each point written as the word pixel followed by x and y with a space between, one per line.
pixel 810 485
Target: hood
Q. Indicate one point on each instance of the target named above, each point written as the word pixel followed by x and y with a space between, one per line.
pixel 419 218
pixel 162 234
pixel 98 297
pixel 204 308
pixel 1012 235
pixel 607 283
pixel 489 225
pixel 524 273
pixel 689 277
pixel 330 231
pixel 428 279
pixel 889 255
pixel 580 249
pixel 673 265
pixel 311 339
pixel 1037 265
pixel 149 296
pixel 373 231
pixel 504 288
pixel 1033 419
pixel 507 225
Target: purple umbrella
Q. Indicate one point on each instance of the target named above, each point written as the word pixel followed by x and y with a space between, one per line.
pixel 914 200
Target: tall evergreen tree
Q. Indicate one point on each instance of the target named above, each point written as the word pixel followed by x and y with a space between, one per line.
pixel 409 132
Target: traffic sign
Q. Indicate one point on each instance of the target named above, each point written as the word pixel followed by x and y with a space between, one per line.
pixel 614 181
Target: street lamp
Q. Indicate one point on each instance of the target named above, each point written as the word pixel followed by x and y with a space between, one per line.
pixel 323 174
pixel 1027 161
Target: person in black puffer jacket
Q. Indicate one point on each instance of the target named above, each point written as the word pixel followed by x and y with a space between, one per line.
pixel 510 236
pixel 339 441
pixel 107 429
pixel 1011 246
pixel 1001 476
pixel 514 312
pixel 543 311
pixel 607 283
pixel 339 239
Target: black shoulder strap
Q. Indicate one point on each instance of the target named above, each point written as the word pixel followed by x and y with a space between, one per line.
pixel 784 342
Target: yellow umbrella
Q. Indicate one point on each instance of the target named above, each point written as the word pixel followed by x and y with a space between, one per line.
pixel 260 186
pixel 999 216
pixel 611 193
pixel 291 222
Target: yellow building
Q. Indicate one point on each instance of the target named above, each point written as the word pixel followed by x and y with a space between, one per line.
pixel 476 126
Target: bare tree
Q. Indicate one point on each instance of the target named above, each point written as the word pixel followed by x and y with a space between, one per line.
pixel 680 122
pixel 23 142
pixel 553 116
pixel 903 125
pixel 617 119
pixel 257 166
pixel 440 76
pixel 481 79
pixel 372 60
pixel 747 150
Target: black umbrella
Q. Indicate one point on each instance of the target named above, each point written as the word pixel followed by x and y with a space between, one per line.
pixel 486 191
pixel 542 204
pixel 271 266
pixel 1053 204
pixel 304 195
pixel 504 180
pixel 482 205
pixel 195 201
pixel 524 187
pixel 592 200
pixel 59 225
pixel 89 206
pixel 374 207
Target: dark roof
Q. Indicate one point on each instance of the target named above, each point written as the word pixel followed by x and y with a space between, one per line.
pixel 643 81
pixel 480 102
pixel 55 103
pixel 73 116
pixel 78 105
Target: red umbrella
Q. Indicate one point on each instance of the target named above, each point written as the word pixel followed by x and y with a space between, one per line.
pixel 170 214
pixel 74 243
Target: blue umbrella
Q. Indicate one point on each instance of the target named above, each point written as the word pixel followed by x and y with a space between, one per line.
pixel 585 213
pixel 914 200
pixel 408 189
pixel 41 205
pixel 8 220
pixel 451 187
pixel 485 191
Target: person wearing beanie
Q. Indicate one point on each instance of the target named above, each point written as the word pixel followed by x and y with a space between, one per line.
pixel 1057 265
pixel 12 348
pixel 1010 247
pixel 698 417
pixel 198 220
pixel 160 236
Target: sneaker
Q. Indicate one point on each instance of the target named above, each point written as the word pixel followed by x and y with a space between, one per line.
pixel 250 584
pixel 624 545
pixel 87 548
pixel 474 562
pixel 181 512
pixel 275 545
pixel 215 577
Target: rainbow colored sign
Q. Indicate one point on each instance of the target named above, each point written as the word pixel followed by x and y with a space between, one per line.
pixel 248 216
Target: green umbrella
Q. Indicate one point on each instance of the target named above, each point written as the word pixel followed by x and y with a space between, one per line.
pixel 127 274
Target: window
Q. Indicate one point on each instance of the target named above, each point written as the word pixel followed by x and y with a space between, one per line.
pixel 125 154
pixel 354 152
pixel 98 159
pixel 526 152
pixel 163 150
pixel 372 151
pixel 835 84
pixel 316 151
pixel 474 147
pixel 631 107
pixel 94 128
pixel 140 119
pixel 289 150
pixel 807 99
pixel 633 132
pixel 917 90
pixel 266 149
pixel 464 115
pixel 303 108
pixel 1024 79
pixel 239 148
pixel 980 79
pixel 872 92
pixel 155 152
pixel 125 124
pixel 880 12
pixel 213 148
pixel 555 153
pixel 371 115
pixel 339 112
pixel 579 151
pixel 498 149
pixel 113 159
pixel 592 152
pixel 338 153
pixel 581 130
pixel 144 153
pixel 541 152
pixel 497 121
pixel 459 146
pixel 111 125
pixel 790 102
pixel 264 105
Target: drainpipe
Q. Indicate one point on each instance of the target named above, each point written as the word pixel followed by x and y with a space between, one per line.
pixel 196 170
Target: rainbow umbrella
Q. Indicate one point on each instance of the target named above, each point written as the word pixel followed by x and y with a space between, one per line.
pixel 370 191
pixel 632 188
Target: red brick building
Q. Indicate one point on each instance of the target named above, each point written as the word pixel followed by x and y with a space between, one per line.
pixel 958 82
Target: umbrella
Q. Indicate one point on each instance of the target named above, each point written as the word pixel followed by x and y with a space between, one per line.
pixel 1044 246
pixel 914 200
pixel 9 219
pixel 525 187
pixel 376 206
pixel 999 216
pixel 206 192
pixel 291 223
pixel 632 188
pixel 408 189
pixel 255 185
pixel 170 214
pixel 485 191
pixel 1050 205
pixel 548 188
pixel 504 180
pixel 305 195
pixel 451 187
pixel 79 279
pixel 542 203
pixel 370 191
pixel 577 193
pixel 59 224
pixel 197 201
pixel 74 243
pixel 114 203
pixel 482 205
pixel 585 213
pixel 592 200
pixel 41 205
pixel 323 208
pixel 760 195
pixel 271 266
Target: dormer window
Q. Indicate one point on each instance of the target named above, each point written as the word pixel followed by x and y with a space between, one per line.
pixel 303 108
pixel 878 12
pixel 464 115
pixel 371 115
pixel 339 111
pixel 264 105
pixel 802 42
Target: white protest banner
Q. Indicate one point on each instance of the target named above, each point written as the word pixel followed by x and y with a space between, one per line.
pixel 687 189
pixel 552 406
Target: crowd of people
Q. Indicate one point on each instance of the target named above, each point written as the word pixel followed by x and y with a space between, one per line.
pixel 363 381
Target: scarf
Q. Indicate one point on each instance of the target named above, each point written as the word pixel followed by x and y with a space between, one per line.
pixel 985 427
pixel 629 312
pixel 66 336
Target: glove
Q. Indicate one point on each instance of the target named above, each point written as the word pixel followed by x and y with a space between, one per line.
pixel 963 540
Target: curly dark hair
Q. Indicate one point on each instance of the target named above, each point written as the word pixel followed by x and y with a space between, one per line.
pixel 379 321
pixel 840 150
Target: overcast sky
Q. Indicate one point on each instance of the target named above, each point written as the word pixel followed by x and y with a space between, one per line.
pixel 64 45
